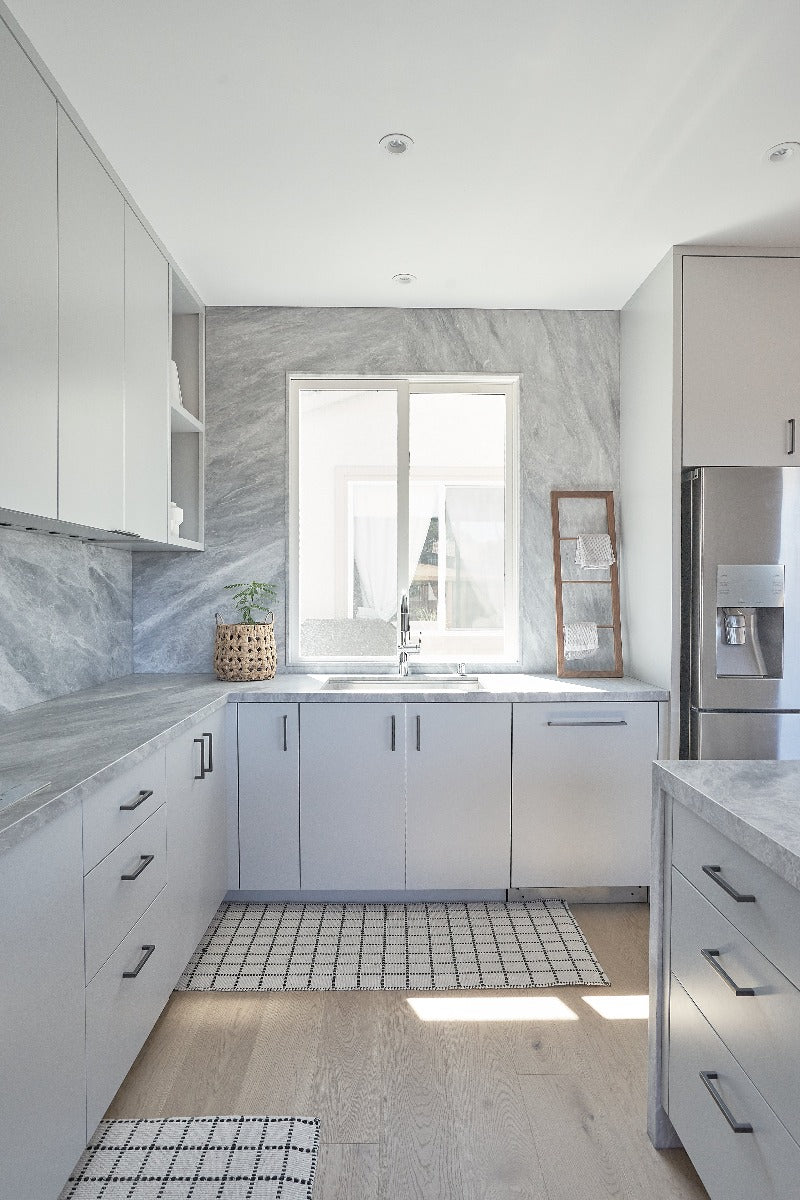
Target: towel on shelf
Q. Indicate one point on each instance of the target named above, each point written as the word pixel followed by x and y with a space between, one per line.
pixel 593 552
pixel 580 639
pixel 175 397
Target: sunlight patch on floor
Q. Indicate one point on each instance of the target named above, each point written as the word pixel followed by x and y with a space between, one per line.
pixel 620 1008
pixel 491 1008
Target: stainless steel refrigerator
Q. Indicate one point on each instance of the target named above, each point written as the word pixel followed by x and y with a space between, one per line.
pixel 740 654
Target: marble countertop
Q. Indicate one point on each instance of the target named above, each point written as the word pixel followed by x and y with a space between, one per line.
pixel 755 804
pixel 80 742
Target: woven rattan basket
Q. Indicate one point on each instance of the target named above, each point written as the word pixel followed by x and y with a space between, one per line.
pixel 245 652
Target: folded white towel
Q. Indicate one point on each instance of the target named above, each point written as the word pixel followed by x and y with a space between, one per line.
pixel 580 639
pixel 175 397
pixel 593 552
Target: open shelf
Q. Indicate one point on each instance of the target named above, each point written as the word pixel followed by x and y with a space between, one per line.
pixel 187 435
pixel 182 421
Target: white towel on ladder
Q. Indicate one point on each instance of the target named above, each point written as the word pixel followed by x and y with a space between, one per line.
pixel 594 552
pixel 580 639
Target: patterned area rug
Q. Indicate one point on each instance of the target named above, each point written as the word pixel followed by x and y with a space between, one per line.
pixel 382 947
pixel 198 1158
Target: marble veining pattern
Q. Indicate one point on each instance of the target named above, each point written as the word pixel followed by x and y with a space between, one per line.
pixel 569 437
pixel 65 616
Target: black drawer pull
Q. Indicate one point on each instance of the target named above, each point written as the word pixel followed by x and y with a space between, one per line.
pixel 201 743
pixel 739 897
pixel 146 859
pixel 419 733
pixel 210 764
pixel 285 732
pixel 140 799
pixel 736 1126
pixel 393 739
pixel 146 952
pixel 711 957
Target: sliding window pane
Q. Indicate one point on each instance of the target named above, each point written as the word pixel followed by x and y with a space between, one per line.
pixel 347 523
pixel 457 524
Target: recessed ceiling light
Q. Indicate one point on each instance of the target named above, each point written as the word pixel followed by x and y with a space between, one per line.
pixel 782 151
pixel 404 277
pixel 396 143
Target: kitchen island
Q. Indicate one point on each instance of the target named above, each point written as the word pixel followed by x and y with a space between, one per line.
pixel 725 972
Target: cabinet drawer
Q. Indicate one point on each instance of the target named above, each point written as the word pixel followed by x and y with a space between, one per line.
pixel 767 921
pixel 120 1010
pixel 751 1026
pixel 113 903
pixel 121 806
pixel 763 1164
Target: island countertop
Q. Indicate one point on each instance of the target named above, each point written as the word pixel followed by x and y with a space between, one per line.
pixel 77 743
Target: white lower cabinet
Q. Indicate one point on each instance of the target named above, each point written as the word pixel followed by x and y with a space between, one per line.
pixel 269 796
pixel 458 807
pixel 43 1090
pixel 196 831
pixel 123 1002
pixel 352 797
pixel 581 786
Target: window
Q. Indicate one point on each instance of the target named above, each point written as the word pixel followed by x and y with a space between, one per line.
pixel 403 485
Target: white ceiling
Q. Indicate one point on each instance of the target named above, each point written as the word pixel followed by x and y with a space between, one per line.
pixel 561 148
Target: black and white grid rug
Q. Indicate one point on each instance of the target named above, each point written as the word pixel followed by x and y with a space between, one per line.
pixel 198 1158
pixel 383 947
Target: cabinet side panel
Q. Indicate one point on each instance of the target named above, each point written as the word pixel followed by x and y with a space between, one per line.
pixel 43 1094
pixel 28 287
pixel 649 520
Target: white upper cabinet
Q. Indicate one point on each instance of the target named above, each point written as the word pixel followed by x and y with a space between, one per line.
pixel 91 258
pixel 28 286
pixel 147 433
pixel 741 361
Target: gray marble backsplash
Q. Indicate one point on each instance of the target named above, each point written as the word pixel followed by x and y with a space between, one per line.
pixel 569 436
pixel 65 616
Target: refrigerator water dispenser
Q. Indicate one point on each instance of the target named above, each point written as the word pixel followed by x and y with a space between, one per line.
pixel 750 600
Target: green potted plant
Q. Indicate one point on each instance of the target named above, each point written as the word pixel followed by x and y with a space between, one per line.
pixel 245 651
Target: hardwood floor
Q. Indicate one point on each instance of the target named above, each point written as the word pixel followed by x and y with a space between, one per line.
pixel 414 1110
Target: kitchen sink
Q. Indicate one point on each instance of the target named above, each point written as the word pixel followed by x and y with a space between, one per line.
pixel 402 683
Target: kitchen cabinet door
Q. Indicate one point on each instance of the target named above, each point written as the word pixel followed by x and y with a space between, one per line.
pixel 458 832
pixel 28 286
pixel 741 361
pixel 42 1001
pixel 196 831
pixel 581 793
pixel 91 323
pixel 269 796
pixel 147 432
pixel 352 797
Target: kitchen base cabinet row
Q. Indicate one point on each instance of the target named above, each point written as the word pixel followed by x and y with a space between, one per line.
pixel 387 797
pixel 100 911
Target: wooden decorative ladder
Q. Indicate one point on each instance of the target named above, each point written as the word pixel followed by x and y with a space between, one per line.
pixel 613 582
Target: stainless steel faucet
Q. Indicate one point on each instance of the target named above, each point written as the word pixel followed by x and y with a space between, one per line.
pixel 405 646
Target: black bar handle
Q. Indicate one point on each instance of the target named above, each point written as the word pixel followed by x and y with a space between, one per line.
pixel 147 951
pixel 144 863
pixel 210 766
pixel 736 1126
pixel 419 729
pixel 394 733
pixel 739 897
pixel 711 957
pixel 790 423
pixel 140 799
pixel 201 743
pixel 285 732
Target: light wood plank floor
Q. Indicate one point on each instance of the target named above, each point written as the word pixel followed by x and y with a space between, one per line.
pixel 413 1110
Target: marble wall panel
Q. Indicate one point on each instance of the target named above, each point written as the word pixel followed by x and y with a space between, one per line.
pixel 569 438
pixel 65 616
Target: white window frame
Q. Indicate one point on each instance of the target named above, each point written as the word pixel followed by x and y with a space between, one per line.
pixel 405 385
